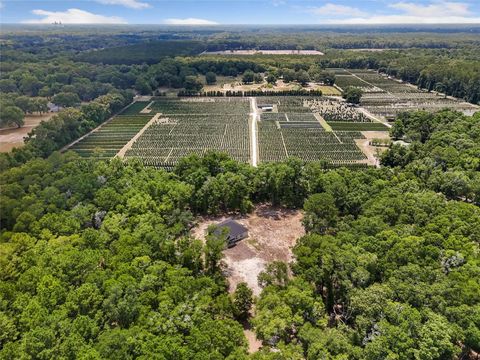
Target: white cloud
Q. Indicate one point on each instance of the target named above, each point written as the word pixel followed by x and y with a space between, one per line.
pixel 134 4
pixel 189 21
pixel 278 2
pixel 72 16
pixel 436 12
pixel 337 10
pixel 437 9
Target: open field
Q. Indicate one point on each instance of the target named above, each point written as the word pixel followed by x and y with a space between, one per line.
pixel 296 131
pixel 173 128
pixel 194 126
pixel 264 52
pixel 13 137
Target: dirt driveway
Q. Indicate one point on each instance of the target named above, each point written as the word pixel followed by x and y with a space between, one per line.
pixel 272 233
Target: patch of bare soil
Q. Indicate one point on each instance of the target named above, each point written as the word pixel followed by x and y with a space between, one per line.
pixel 272 233
pixel 13 137
pixel 372 152
pixel 253 343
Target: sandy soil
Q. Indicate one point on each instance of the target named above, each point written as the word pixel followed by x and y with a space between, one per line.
pixel 253 343
pixel 372 151
pixel 13 137
pixel 272 233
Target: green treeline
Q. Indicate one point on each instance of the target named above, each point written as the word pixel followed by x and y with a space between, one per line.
pixel 46 65
pixel 98 261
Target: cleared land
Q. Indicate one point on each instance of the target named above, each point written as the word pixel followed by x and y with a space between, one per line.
pixel 264 52
pixel 194 125
pixel 272 233
pixel 385 97
pixel 162 131
pixel 13 137
pixel 296 131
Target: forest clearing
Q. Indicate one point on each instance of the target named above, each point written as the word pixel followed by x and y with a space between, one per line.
pixel 272 232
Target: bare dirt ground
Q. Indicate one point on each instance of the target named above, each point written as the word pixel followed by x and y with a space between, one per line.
pixel 13 137
pixel 272 233
pixel 253 343
pixel 372 151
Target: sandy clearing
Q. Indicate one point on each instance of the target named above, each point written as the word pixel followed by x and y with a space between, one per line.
pixel 370 151
pixel 13 137
pixel 272 233
pixel 253 343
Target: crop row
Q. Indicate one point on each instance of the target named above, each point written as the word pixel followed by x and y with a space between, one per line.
pixel 194 127
pixel 111 137
pixel 308 144
pixel 351 126
pixel 202 106
pixel 135 108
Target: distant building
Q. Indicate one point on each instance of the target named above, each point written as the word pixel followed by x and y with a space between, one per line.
pixel 235 231
pixel 265 107
pixel 52 107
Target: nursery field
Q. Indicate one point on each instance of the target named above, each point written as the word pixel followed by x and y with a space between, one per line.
pixel 194 126
pixel 296 131
pixel 110 138
pixel 385 97
pixel 162 131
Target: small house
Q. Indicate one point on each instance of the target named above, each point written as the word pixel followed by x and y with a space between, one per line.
pixel 235 231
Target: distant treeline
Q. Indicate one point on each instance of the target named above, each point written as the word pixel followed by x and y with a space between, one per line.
pixel 148 53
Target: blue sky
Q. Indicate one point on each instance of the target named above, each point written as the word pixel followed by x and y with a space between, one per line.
pixel 198 12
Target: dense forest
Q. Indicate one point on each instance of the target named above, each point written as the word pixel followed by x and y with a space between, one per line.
pixel 98 262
